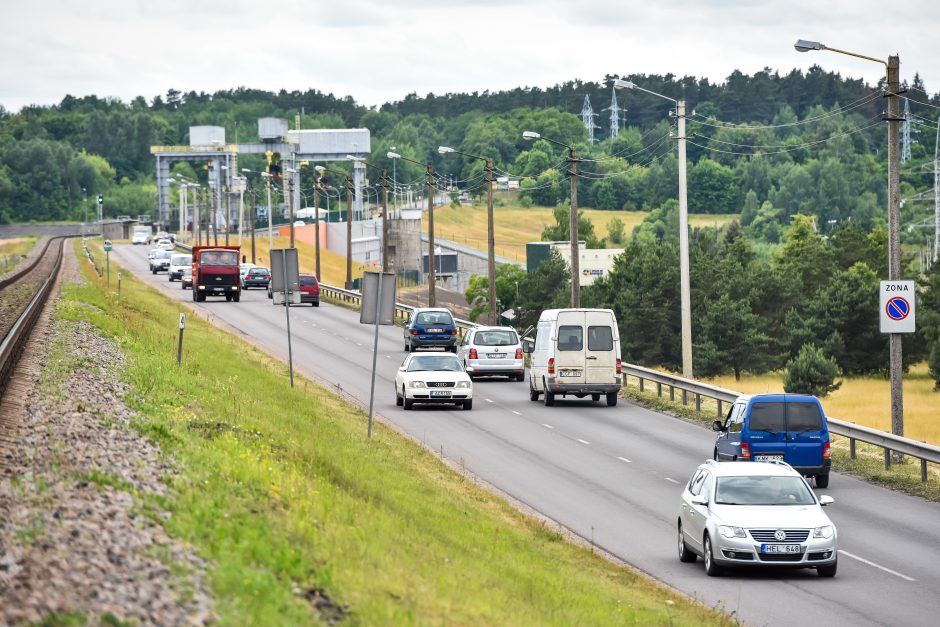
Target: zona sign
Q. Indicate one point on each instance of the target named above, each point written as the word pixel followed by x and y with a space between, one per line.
pixel 897 304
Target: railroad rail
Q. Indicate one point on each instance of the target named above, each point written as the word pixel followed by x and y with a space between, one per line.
pixel 42 270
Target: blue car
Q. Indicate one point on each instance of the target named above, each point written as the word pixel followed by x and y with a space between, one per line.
pixel 787 427
pixel 431 328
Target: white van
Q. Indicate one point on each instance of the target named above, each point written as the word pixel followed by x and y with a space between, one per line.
pixel 576 352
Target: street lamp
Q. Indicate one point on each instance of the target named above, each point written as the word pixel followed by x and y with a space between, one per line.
pixel 684 289
pixel 267 186
pixel 384 180
pixel 573 228
pixel 349 186
pixel 893 87
pixel 490 238
pixel 432 297
pixel 290 202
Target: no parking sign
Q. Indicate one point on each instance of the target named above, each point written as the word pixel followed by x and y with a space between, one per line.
pixel 897 303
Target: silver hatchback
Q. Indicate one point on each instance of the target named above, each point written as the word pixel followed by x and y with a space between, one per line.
pixel 755 514
pixel 487 351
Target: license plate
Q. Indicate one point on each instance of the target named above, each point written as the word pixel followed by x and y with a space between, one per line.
pixel 781 548
pixel 496 355
pixel 434 330
pixel 767 458
pixel 444 393
pixel 569 373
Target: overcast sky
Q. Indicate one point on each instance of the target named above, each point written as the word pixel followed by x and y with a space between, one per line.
pixel 381 50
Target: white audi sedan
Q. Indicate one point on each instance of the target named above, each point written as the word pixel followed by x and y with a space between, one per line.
pixel 433 378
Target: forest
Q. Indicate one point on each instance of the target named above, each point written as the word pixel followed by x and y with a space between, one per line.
pixel 799 157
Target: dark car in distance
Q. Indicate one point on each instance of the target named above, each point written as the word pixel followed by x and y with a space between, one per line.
pixel 256 277
pixel 431 327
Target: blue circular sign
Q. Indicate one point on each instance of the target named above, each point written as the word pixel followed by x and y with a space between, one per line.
pixel 897 308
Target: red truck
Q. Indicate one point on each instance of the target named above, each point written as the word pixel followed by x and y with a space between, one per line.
pixel 215 272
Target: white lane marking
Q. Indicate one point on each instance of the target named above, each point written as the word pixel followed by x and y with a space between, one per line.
pixel 358 344
pixel 516 413
pixel 887 570
pixel 624 459
pixel 488 400
pixel 670 479
pixel 388 357
pixel 583 441
pixel 547 426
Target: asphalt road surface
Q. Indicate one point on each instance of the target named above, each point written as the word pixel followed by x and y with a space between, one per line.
pixel 612 475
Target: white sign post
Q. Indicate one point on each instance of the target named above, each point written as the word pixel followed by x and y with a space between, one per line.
pixel 897 303
pixel 179 348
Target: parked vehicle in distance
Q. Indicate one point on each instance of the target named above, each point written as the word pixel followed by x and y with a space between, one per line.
pixel 576 352
pixel 160 261
pixel 787 427
pixel 755 514
pixel 256 277
pixel 431 327
pixel 141 235
pixel 487 351
pixel 215 272
pixel 186 280
pixel 179 262
pixel 309 289
pixel 432 378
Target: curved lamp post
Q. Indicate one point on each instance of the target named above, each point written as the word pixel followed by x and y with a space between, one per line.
pixel 893 87
pixel 349 186
pixel 490 240
pixel 573 224
pixel 384 181
pixel 432 297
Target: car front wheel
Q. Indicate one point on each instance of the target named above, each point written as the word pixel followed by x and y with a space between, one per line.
pixel 711 568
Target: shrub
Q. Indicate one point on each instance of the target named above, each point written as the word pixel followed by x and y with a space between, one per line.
pixel 933 363
pixel 811 372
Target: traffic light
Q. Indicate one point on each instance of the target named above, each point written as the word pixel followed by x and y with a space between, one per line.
pixel 100 199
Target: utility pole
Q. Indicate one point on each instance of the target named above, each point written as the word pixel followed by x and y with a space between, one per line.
pixel 385 220
pixel 894 237
pixel 490 241
pixel 267 185
pixel 349 204
pixel 684 289
pixel 575 253
pixel 432 297
pixel 290 203
pixel 253 214
pixel 316 224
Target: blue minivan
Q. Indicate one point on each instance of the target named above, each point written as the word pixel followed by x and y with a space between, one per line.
pixel 788 427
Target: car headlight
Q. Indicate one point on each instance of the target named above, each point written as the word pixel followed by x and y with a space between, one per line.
pixel 463 384
pixel 416 384
pixel 823 532
pixel 731 532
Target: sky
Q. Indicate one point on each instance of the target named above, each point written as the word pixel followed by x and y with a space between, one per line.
pixel 378 51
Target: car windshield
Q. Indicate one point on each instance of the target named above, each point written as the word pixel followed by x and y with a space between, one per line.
pixel 219 258
pixel 434 317
pixel 496 338
pixel 422 363
pixel 763 490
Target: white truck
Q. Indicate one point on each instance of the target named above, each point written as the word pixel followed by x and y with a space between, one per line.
pixel 141 235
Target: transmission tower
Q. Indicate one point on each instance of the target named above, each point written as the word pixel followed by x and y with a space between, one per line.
pixel 587 118
pixel 906 133
pixel 614 109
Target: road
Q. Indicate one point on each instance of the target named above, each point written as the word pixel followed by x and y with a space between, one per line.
pixel 612 475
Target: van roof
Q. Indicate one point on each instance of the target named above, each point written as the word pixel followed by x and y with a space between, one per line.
pixel 553 313
pixel 777 397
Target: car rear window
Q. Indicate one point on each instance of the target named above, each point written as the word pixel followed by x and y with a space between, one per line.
pixel 496 338
pixel 768 417
pixel 258 271
pixel 434 317
pixel 803 417
pixel 570 338
pixel 306 280
pixel 600 339
pixel 180 260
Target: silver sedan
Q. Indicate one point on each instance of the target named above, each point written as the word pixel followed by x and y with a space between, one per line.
pixel 488 351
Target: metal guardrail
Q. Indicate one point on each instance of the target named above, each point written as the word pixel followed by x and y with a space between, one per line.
pixel 855 433
pixel 688 387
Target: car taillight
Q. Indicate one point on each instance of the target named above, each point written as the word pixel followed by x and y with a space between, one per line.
pixel 551 365
pixel 518 353
pixel 414 331
pixel 269 277
pixel 473 353
pixel 619 366
pixel 454 332
pixel 826 453
pixel 745 450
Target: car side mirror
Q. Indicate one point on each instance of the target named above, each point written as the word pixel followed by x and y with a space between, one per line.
pixel 528 346
pixel 825 499
pixel 700 499
pixel 718 426
pixel 402 369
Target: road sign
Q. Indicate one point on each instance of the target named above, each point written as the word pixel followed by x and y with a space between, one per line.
pixel 182 320
pixel 107 245
pixel 897 303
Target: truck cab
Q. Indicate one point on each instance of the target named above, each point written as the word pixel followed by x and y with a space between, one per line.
pixel 215 272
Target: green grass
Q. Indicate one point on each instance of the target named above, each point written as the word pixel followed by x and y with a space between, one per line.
pixel 292 505
pixel 13 250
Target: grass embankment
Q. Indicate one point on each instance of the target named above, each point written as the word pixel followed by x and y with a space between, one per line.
pixel 13 250
pixel 280 489
pixel 515 225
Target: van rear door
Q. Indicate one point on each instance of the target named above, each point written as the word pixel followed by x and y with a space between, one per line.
pixel 569 347
pixel 600 356
pixel 805 432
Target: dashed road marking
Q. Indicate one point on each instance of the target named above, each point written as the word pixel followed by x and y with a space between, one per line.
pixel 879 567
pixel 624 459
pixel 583 441
pixel 516 413
pixel 547 426
pixel 488 400
pixel 671 479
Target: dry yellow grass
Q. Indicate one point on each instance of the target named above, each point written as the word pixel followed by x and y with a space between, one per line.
pixel 516 225
pixel 866 400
